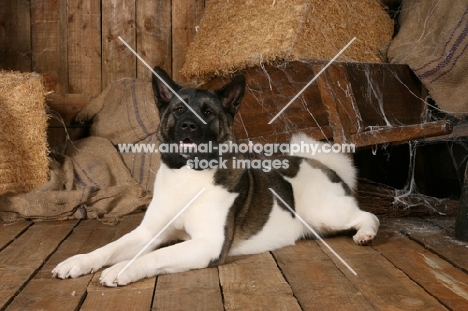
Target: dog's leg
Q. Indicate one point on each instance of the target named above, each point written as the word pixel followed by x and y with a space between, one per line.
pixel 334 214
pixel 204 223
pixel 188 255
pixel 367 225
pixel 122 249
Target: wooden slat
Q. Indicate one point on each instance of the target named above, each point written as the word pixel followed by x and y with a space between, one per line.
pixel 154 36
pixel 135 296
pixel 84 47
pixel 58 136
pixel 410 271
pixel 387 94
pixel 385 287
pixel 327 95
pixel 62 111
pixel 459 130
pixel 66 294
pixel 49 43
pixel 42 294
pixel 69 294
pixel 21 259
pixel 118 19
pixel 15 35
pixel 401 133
pixel 9 232
pixel 337 94
pixel 192 290
pixel 446 224
pixel 186 15
pixel 316 281
pixel 435 275
pixel 269 90
pixel 432 238
pixel 255 283
pixel 66 106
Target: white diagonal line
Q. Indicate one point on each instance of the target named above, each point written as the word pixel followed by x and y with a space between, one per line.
pixel 313 231
pixel 154 72
pixel 160 232
pixel 313 79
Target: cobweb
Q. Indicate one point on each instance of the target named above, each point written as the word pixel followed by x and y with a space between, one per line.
pixel 408 198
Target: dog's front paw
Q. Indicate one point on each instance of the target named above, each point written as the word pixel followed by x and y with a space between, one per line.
pixel 111 277
pixel 75 266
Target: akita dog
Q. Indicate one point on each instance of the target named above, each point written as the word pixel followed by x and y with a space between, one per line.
pixel 236 213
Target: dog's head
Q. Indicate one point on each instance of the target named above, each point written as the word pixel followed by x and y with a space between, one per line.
pixel 206 117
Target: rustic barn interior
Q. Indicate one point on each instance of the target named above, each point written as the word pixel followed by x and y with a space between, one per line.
pixel 411 156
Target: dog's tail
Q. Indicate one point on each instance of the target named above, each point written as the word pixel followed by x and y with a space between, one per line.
pixel 325 154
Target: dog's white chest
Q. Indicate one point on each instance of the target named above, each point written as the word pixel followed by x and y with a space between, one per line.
pixel 180 184
pixel 175 189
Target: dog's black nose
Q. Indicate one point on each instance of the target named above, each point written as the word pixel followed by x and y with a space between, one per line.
pixel 188 126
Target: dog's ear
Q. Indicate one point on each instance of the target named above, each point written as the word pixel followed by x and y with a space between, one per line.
pixel 232 93
pixel 162 92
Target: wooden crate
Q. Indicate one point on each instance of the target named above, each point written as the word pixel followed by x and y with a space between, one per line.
pixel 360 103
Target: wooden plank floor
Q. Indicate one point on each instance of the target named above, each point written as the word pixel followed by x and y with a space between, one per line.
pixel 413 265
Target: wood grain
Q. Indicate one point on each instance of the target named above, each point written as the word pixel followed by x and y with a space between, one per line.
pixel 413 265
pixel 186 15
pixel 20 260
pixel 401 133
pixel 154 36
pixel 84 47
pixel 15 35
pixel 385 287
pixel 63 108
pixel 435 275
pixel 118 19
pixel 254 283
pixel 338 96
pixel 316 281
pixel 69 294
pixel 135 296
pixel 434 239
pixel 192 290
pixel 49 43
pixel 9 232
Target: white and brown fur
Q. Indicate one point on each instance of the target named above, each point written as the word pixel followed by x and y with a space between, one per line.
pixel 236 214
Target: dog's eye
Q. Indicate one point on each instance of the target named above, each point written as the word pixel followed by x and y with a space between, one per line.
pixel 207 113
pixel 179 110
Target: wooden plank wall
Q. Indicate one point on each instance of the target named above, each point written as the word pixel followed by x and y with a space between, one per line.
pixel 75 45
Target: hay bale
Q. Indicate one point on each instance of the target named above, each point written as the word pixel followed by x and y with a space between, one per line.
pixel 235 35
pixel 23 132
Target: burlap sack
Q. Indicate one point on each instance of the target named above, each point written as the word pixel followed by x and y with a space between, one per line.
pixel 126 113
pixel 433 41
pixel 143 166
pixel 89 180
